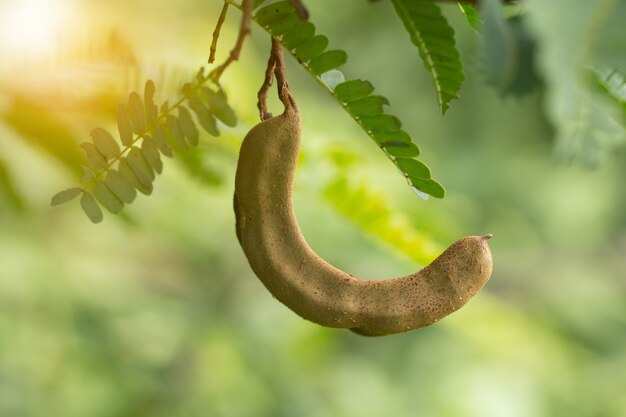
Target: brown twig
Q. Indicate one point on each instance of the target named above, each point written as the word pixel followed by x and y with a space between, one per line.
pixel 275 68
pixel 303 13
pixel 267 83
pixel 243 32
pixel 216 32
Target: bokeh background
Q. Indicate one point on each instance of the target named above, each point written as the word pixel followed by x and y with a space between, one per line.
pixel 156 313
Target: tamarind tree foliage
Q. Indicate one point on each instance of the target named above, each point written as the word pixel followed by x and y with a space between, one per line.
pixel 518 108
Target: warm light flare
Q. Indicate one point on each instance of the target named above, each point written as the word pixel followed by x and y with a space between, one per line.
pixel 30 28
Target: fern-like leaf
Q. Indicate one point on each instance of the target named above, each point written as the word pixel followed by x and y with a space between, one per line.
pixel 355 96
pixel 434 37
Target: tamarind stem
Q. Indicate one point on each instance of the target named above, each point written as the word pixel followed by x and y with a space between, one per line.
pixel 270 236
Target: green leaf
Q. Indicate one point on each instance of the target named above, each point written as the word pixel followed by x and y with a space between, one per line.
pixel 160 140
pixel 384 129
pixel 105 143
pixel 368 106
pixel 94 159
pixel 311 48
pixel 413 168
pixel 284 25
pixel 64 196
pixel 90 206
pixel 137 113
pixel 298 35
pixel 152 111
pixel 327 61
pixel 218 103
pixel 151 154
pixel 428 186
pixel 471 14
pixel 88 174
pixel 106 197
pixel 120 186
pixel 175 133
pixel 353 90
pixel 401 149
pixel 188 126
pixel 140 166
pixel 381 123
pixel 206 119
pixel 129 175
pixel 123 125
pixel 273 13
pixel 434 37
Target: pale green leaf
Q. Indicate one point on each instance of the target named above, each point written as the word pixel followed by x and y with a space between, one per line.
pixel 120 186
pixel 106 197
pixel 105 143
pixel 188 126
pixel 129 174
pixel 90 206
pixel 151 154
pixel 64 196
pixel 140 166
pixel 137 113
pixel 123 125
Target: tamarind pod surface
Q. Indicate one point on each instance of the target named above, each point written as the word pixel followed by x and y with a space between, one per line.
pixel 270 236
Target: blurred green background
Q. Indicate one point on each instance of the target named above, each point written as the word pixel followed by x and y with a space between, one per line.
pixel 156 312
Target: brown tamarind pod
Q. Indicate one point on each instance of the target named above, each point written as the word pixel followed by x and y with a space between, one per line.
pixel 270 236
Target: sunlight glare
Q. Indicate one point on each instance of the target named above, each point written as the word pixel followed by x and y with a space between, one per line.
pixel 30 28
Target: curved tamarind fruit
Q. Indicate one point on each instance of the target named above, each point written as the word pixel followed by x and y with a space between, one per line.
pixel 270 236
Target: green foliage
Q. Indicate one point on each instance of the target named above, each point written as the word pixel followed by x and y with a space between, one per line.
pixel 508 52
pixel 434 38
pixel 115 173
pixel 354 95
pixel 369 209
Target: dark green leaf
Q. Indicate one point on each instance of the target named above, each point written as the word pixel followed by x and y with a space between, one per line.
pixel 312 48
pixel 151 109
pixel 206 119
pixel 381 123
pixel 120 186
pixel 471 14
pixel 413 168
pixel 434 37
pixel 90 207
pixel 428 186
pixel 353 90
pixel 159 137
pixel 401 149
pixel 140 166
pixel 106 145
pixel 137 113
pixel 123 125
pixel 368 106
pixel 327 61
pixel 106 197
pixel 65 196
pixel 95 160
pixel 298 35
pixel 151 154
pixel 188 126
pixel 273 13
pixel 284 25
pixel 175 134
pixel 129 174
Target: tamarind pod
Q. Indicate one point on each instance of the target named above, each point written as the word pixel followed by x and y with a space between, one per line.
pixel 270 236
